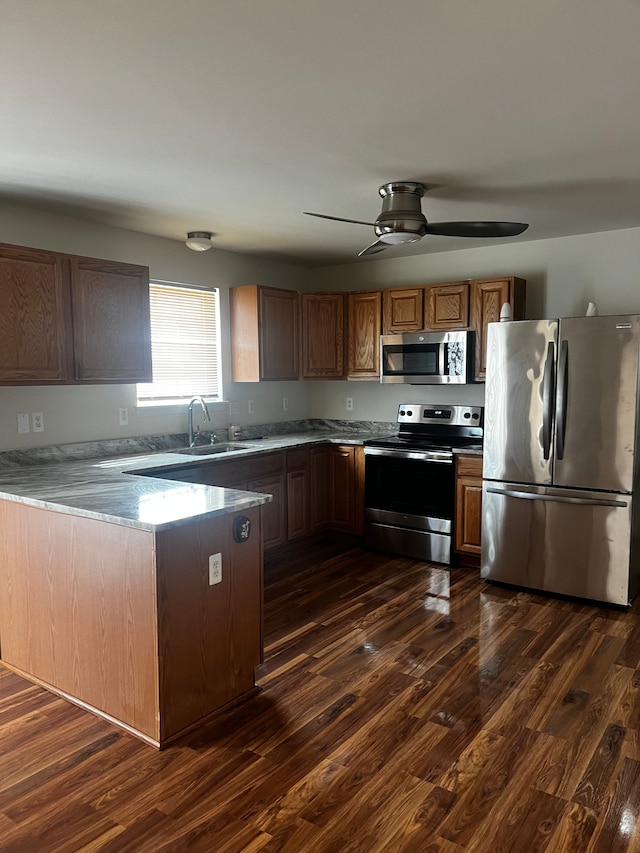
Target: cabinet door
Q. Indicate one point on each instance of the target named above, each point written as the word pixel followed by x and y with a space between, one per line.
pixel 320 477
pixel 297 504
pixel 278 331
pixel 111 324
pixel 274 524
pixel 402 310
pixel 344 507
pixel 447 305
pixel 468 504
pixel 323 322
pixel 364 324
pixel 487 298
pixel 34 304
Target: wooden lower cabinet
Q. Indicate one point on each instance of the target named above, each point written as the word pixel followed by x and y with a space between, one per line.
pixel 319 472
pixel 123 621
pixel 274 514
pixel 468 522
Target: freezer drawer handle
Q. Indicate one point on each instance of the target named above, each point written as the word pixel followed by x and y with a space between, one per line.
pixel 532 496
pixel 547 401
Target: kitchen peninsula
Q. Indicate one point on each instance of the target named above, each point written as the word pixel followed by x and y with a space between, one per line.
pixel 106 596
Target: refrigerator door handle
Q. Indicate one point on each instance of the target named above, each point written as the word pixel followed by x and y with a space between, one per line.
pixel 534 496
pixel 563 380
pixel 547 400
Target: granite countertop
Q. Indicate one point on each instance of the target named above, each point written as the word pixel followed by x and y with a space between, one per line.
pixel 108 489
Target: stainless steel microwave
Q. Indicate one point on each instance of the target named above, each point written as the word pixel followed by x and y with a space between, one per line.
pixel 427 358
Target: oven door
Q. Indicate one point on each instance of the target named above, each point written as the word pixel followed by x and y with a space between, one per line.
pixel 409 497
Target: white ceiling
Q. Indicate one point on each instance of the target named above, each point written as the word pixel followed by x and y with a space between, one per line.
pixel 235 116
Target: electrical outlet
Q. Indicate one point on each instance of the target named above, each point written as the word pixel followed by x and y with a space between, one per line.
pixel 23 422
pixel 37 419
pixel 234 409
pixel 285 404
pixel 251 407
pixel 123 416
pixel 349 404
pixel 215 569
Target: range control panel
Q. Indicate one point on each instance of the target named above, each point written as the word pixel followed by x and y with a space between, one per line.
pixel 412 413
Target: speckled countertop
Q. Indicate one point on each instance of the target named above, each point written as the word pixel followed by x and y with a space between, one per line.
pixel 109 490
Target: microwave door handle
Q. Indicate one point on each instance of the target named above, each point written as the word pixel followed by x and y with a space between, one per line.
pixel 547 400
pixel 563 381
pixel 441 350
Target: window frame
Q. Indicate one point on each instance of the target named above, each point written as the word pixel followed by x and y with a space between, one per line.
pixel 177 404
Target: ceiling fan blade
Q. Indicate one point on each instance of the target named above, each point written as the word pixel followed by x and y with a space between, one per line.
pixel 378 246
pixel 338 218
pixel 476 229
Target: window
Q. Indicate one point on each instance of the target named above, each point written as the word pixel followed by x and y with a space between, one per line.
pixel 185 346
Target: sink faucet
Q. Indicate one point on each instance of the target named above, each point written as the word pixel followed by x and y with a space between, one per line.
pixel 202 403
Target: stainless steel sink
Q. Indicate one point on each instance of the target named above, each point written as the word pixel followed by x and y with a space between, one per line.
pixel 212 449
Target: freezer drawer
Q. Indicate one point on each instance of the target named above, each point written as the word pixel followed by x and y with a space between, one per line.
pixel 565 541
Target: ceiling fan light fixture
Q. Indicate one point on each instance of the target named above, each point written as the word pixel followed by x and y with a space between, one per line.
pixel 199 241
pixel 394 238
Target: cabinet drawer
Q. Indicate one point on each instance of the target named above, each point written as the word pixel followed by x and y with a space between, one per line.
pixel 469 466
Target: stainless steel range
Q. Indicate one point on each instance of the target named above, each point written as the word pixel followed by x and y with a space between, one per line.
pixel 409 480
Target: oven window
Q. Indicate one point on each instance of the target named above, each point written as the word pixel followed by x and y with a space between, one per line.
pixel 409 486
pixel 410 359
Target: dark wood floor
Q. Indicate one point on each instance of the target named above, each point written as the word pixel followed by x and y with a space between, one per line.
pixel 404 707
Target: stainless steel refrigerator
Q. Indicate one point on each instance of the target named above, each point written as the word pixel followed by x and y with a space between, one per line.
pixel 561 457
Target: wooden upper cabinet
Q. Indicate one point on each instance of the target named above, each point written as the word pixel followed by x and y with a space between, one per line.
pixel 403 310
pixel 487 298
pixel 68 320
pixel 34 307
pixel 111 323
pixel 264 334
pixel 364 322
pixel 323 335
pixel 446 306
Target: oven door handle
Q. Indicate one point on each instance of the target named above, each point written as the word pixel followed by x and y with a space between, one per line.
pixel 444 456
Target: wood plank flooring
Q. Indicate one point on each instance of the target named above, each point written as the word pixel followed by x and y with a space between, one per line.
pixel 404 707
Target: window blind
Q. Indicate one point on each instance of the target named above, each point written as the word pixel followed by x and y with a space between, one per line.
pixel 184 343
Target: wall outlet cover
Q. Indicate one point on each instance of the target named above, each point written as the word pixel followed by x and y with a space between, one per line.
pixel 37 419
pixel 123 416
pixel 349 404
pixel 23 422
pixel 251 406
pixel 215 569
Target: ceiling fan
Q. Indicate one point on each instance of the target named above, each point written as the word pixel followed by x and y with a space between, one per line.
pixel 402 220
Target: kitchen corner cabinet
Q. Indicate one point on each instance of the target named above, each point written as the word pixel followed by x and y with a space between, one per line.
pixel 468 523
pixel 402 310
pixel 68 320
pixel 264 334
pixel 446 306
pixel 487 298
pixel 364 324
pixel 323 335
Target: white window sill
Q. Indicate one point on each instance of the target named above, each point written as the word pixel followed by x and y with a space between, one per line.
pixel 176 407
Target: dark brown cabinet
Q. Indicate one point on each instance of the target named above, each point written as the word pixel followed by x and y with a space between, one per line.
pixel 364 324
pixel 274 522
pixel 468 507
pixel 111 324
pixel 323 335
pixel 319 472
pixel 346 493
pixel 264 334
pixel 487 298
pixel 298 493
pixel 68 320
pixel 446 306
pixel 403 310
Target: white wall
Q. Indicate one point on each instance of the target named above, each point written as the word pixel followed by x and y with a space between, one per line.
pixel 562 276
pixel 74 413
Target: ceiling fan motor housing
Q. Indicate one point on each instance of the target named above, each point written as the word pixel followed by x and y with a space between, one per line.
pixel 401 209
